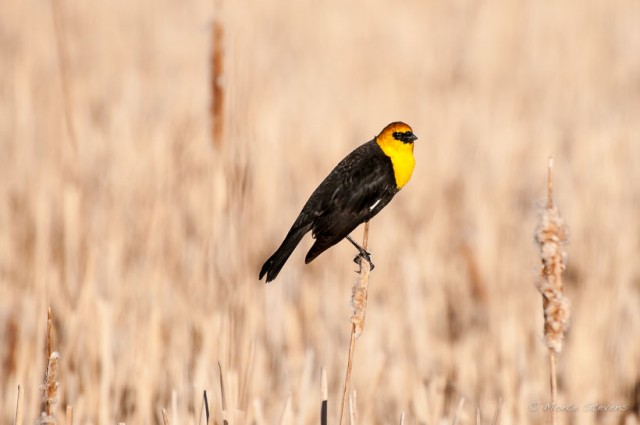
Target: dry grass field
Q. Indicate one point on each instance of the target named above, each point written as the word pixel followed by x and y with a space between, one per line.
pixel 146 238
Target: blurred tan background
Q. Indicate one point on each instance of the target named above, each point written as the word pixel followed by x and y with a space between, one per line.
pixel 146 240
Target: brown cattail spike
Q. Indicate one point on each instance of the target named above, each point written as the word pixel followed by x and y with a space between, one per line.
pixel 551 236
pixel 49 390
pixel 360 289
pixel 217 71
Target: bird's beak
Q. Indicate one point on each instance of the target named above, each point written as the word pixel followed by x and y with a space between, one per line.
pixel 408 138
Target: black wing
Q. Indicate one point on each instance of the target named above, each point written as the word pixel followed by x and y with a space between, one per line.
pixel 355 191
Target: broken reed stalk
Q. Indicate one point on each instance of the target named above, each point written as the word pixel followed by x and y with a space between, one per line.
pixel 359 300
pixel 217 70
pixel 551 236
pixel 223 395
pixel 19 414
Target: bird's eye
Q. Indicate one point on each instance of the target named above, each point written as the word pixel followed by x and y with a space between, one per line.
pixel 396 134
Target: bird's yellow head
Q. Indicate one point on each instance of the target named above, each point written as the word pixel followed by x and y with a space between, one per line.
pixel 396 141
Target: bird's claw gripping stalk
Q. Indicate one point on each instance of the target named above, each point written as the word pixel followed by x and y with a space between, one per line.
pixel 358 260
pixel 362 253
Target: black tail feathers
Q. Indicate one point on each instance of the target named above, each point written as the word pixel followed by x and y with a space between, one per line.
pixel 317 249
pixel 274 264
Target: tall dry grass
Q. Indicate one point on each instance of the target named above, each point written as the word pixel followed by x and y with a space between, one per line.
pixel 149 254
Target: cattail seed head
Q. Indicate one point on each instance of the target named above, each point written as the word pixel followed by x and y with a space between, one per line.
pixel 359 297
pixel 551 237
pixel 49 390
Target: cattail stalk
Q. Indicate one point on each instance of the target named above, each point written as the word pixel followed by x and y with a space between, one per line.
pixel 353 409
pixel 359 300
pixel 551 236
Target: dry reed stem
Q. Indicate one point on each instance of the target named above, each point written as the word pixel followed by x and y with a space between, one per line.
pixel 456 416
pixel 285 418
pixel 19 413
pixel 478 418
pixel 223 395
pixel 353 409
pixel 258 413
pixel 49 390
pixel 231 378
pixel 243 397
pixel 402 418
pixel 204 409
pixel 69 415
pixel 165 417
pixel 174 406
pixel 551 236
pixel 496 414
pixel 347 379
pixel 359 301
pixel 553 383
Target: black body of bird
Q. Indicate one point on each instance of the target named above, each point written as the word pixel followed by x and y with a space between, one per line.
pixel 357 189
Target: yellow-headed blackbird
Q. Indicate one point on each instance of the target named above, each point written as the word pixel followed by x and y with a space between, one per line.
pixel 359 187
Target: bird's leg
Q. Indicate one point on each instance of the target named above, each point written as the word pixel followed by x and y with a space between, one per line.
pixel 362 253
